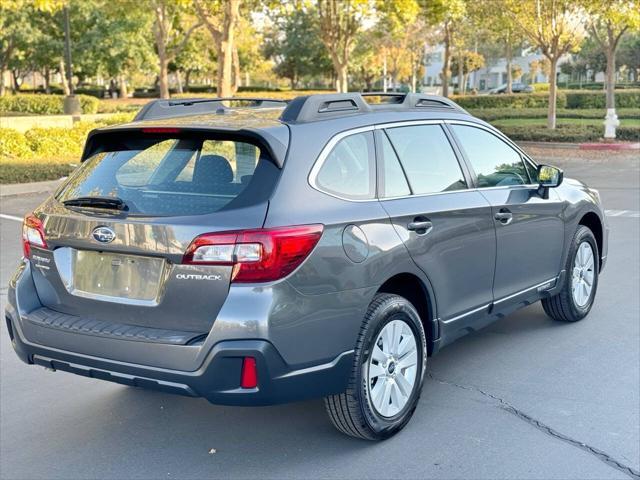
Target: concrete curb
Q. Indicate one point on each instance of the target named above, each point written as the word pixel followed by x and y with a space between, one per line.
pixel 15 189
pixel 583 146
pixel 610 146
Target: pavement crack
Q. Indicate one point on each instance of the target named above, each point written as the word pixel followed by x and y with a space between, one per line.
pixel 506 406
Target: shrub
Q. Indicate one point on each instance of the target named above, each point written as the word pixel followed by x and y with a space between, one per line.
pixel 14 144
pixel 516 100
pixel 540 87
pixel 21 171
pixel 490 114
pixel 44 104
pixel 600 86
pixel 589 99
pixel 566 133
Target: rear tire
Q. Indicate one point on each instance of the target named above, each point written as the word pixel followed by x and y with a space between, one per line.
pixel 575 299
pixel 388 372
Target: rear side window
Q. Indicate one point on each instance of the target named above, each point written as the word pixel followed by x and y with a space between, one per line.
pixel 349 169
pixel 176 176
pixel 496 164
pixel 427 158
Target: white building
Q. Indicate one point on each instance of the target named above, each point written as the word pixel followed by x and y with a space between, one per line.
pixel 493 75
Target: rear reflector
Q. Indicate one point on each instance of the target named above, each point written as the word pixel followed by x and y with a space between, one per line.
pixel 249 377
pixel 260 255
pixel 32 234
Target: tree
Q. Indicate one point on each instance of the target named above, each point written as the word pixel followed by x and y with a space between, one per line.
pixel 471 61
pixel 608 21
pixel 629 54
pixel 18 34
pixel 171 36
pixel 220 17
pixel 401 32
pixel 339 22
pixel 447 14
pixel 197 57
pixel 295 45
pixel 553 26
pixel 501 31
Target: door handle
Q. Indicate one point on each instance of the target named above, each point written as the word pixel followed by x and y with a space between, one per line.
pixel 504 216
pixel 420 226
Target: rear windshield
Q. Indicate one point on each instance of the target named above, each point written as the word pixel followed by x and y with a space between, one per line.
pixel 176 176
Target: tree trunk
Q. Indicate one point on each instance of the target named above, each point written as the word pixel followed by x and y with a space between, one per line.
pixel 225 49
pixel 551 114
pixel 122 86
pixel 237 80
pixel 461 73
pixel 16 82
pixel 611 78
pixel 63 78
pixel 444 75
pixel 385 86
pixel 163 76
pixel 47 80
pixel 187 78
pixel 414 78
pixel 178 81
pixel 2 87
pixel 342 81
pixel 160 33
pixel 509 72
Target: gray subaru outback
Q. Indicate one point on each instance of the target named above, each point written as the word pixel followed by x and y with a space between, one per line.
pixel 253 251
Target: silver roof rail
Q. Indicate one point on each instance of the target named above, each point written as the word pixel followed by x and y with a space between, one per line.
pixel 318 107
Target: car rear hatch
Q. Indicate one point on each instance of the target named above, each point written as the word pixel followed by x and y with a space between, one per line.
pixel 111 260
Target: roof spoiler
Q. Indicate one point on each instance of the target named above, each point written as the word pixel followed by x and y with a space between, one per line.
pixel 318 107
pixel 195 106
pixel 101 139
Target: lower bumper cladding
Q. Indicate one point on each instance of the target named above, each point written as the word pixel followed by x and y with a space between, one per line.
pixel 221 379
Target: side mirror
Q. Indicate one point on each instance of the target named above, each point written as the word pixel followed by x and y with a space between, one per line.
pixel 549 177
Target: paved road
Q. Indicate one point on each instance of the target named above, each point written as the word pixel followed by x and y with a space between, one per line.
pixel 525 398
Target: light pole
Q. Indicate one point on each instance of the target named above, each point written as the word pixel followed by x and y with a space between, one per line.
pixel 71 102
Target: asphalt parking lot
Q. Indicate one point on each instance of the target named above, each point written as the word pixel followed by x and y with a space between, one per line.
pixel 525 398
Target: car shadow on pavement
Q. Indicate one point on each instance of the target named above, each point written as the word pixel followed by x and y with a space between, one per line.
pixel 154 432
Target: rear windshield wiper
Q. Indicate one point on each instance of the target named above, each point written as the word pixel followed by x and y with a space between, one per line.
pixel 113 203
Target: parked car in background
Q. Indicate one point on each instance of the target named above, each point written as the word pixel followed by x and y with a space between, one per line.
pixel 255 252
pixel 515 88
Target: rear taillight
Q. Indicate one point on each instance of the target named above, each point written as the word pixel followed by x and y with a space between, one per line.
pixel 32 234
pixel 260 255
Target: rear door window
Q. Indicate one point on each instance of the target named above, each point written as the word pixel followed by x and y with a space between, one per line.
pixel 176 176
pixel 427 158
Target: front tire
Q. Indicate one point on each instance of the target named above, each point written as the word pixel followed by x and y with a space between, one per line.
pixel 388 372
pixel 576 298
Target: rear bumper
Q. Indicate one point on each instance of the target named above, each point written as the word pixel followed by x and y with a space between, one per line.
pixel 217 380
pixel 216 376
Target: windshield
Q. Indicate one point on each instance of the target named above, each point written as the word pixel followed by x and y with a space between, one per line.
pixel 173 176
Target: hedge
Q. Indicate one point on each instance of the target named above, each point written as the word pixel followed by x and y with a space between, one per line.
pixel 589 99
pixel 566 133
pixel 490 114
pixel 571 99
pixel 515 100
pixel 44 104
pixel 600 86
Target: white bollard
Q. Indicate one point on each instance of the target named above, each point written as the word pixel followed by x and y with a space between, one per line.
pixel 610 123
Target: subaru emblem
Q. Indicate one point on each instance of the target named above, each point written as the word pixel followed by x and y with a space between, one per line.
pixel 103 234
